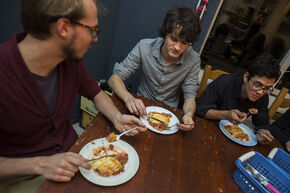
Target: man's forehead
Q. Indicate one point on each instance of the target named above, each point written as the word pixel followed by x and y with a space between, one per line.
pixel 264 80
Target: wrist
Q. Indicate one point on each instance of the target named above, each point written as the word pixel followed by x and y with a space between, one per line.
pixel 117 118
pixel 39 165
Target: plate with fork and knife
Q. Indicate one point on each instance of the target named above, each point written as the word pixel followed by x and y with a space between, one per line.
pixel 130 168
pixel 170 127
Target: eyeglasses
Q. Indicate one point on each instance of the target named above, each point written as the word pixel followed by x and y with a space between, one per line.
pixel 93 30
pixel 181 40
pixel 259 86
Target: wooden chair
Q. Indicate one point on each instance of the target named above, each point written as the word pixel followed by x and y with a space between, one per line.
pixel 208 74
pixel 279 102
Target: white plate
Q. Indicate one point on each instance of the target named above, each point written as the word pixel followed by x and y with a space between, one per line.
pixel 131 167
pixel 173 120
pixel 253 139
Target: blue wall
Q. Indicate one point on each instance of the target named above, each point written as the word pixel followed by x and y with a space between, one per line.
pixel 124 24
pixel 141 19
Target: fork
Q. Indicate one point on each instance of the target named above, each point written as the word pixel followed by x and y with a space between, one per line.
pixel 98 158
pixel 118 136
pixel 168 127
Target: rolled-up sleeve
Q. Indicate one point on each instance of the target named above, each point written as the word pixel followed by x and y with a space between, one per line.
pixel 190 83
pixel 130 64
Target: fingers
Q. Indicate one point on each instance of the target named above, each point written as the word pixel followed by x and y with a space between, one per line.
pixel 185 127
pixel 265 137
pixel 136 106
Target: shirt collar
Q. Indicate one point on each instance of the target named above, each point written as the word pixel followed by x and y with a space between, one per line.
pixel 156 51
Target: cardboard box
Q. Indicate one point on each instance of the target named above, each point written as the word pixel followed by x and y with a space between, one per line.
pixel 88 106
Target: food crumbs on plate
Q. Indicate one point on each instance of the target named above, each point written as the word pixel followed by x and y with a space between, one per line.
pixel 220 190
pixel 93 143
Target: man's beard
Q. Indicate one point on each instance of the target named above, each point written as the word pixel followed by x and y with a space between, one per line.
pixel 70 53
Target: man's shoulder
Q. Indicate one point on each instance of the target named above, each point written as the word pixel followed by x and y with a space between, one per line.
pixel 150 41
pixel 228 78
pixel 4 47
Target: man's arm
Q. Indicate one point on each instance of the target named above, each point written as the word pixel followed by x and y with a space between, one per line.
pixel 235 116
pixel 122 122
pixel 135 106
pixel 60 167
pixel 188 110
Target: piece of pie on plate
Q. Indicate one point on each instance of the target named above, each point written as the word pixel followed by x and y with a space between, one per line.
pixel 236 132
pixel 161 116
pixel 109 166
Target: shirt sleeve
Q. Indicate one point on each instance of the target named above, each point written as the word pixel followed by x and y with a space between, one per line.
pixel 210 97
pixel 281 128
pixel 88 85
pixel 190 83
pixel 130 64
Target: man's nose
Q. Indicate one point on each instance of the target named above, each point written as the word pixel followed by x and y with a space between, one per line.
pixel 95 39
pixel 177 46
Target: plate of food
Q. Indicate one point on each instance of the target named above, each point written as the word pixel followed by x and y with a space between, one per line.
pixel 113 170
pixel 158 113
pixel 240 133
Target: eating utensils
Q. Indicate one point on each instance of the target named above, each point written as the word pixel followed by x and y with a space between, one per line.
pixel 155 119
pixel 261 179
pixel 98 158
pixel 252 111
pixel 168 127
pixel 129 130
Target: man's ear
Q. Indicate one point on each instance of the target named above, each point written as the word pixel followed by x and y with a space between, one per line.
pixel 246 77
pixel 63 27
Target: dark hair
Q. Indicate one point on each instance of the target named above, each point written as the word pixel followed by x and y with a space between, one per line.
pixel 183 18
pixel 265 65
pixel 37 15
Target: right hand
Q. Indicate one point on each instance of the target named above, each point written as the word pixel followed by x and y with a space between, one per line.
pixel 62 167
pixel 136 106
pixel 126 122
pixel 235 116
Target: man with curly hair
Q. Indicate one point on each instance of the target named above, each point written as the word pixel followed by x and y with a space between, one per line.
pixel 168 63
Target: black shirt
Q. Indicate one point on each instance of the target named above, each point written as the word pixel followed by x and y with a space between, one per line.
pixel 225 93
pixel 280 129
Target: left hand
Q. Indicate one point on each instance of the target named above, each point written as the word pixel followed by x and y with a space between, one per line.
pixel 126 122
pixel 265 137
pixel 187 124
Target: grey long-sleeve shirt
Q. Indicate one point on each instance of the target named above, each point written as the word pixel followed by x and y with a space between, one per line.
pixel 160 82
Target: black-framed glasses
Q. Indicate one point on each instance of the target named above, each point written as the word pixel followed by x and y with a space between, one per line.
pixel 259 86
pixel 93 30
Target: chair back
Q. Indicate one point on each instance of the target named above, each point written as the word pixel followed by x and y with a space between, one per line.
pixel 279 102
pixel 208 74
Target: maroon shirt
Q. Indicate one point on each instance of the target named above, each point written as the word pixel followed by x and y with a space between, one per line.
pixel 27 128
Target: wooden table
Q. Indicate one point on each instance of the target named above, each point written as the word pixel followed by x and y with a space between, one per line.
pixel 201 160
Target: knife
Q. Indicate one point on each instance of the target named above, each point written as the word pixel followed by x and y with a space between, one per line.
pixel 156 119
pixel 262 179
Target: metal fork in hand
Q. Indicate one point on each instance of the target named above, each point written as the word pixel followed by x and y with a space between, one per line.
pixel 168 127
pixel 129 130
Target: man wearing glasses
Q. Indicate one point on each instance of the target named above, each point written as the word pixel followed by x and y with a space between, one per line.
pixel 41 73
pixel 168 63
pixel 230 97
